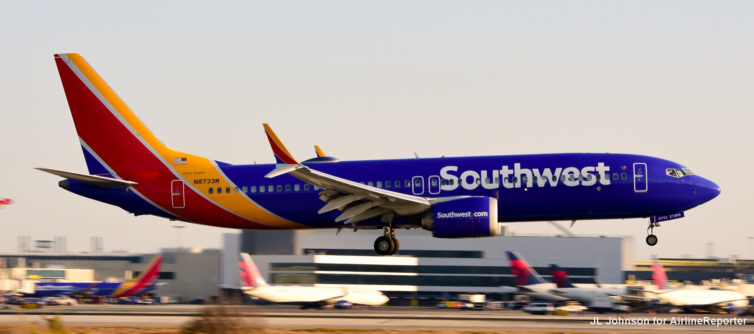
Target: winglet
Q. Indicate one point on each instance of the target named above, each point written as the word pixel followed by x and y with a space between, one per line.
pixel 319 151
pixel 282 156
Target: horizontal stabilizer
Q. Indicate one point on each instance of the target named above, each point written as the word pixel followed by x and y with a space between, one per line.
pixel 94 180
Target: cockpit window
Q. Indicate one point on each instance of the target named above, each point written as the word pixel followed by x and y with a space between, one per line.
pixel 678 172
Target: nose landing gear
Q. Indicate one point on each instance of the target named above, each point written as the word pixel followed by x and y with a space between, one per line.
pixel 387 244
pixel 651 238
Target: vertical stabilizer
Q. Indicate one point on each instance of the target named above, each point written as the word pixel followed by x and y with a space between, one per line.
pixel 522 272
pixel 250 276
pixel 147 279
pixel 560 277
pixel 659 277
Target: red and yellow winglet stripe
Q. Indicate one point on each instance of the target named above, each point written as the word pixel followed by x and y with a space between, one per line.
pixel 281 153
pixel 319 151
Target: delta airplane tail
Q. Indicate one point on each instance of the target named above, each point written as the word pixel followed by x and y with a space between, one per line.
pixel 250 275
pixel 659 277
pixel 523 273
pixel 146 280
pixel 560 277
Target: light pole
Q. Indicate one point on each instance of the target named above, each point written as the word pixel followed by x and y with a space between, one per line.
pixel 178 236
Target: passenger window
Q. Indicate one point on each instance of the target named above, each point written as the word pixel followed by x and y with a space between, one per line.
pixel 279 188
pixel 379 184
pixel 369 183
pixel 623 176
pixel 227 190
pixel 210 191
pixel 287 187
pixel 397 183
pixel 235 189
pixel 306 187
pixel 388 184
pixel 296 187
pixel 615 176
pixel 408 183
pixel 261 189
pixel 219 190
pixel 270 189
pixel 253 189
pixel 245 189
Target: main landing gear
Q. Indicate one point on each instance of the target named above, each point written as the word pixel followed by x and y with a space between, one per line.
pixel 651 238
pixel 387 244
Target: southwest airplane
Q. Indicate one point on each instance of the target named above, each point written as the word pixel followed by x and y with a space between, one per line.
pixel 144 283
pixel 459 197
pixel 254 285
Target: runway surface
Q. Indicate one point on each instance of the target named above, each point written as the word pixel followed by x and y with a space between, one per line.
pixel 383 318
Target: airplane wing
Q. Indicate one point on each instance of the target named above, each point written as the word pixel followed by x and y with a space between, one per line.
pixel 356 201
pixel 94 180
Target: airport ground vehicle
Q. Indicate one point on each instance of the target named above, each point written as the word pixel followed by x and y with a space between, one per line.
pixel 539 308
pixel 59 300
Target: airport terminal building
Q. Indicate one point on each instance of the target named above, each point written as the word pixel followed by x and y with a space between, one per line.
pixel 426 267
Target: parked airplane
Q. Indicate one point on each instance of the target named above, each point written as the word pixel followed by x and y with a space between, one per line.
pixel 588 295
pixel 458 197
pixel 144 283
pixel 528 280
pixel 695 298
pixel 306 296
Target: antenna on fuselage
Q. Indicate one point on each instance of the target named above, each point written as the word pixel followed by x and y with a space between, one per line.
pixel 561 228
pixel 416 155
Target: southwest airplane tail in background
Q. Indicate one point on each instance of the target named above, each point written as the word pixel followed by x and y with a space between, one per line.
pixel 144 283
pixel 461 197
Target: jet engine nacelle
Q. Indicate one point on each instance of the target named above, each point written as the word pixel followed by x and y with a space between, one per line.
pixel 463 218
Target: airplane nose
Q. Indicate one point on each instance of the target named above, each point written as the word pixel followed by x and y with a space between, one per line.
pixel 705 190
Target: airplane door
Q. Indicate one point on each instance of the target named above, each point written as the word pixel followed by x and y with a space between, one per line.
pixel 434 185
pixel 177 194
pixel 640 177
pixel 417 185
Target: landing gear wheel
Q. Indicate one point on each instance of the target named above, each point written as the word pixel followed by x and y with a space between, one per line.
pixel 396 245
pixel 651 240
pixel 384 245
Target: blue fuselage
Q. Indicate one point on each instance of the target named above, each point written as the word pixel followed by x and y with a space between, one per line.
pixel 537 187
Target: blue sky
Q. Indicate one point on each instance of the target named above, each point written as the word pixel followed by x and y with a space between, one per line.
pixel 382 79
